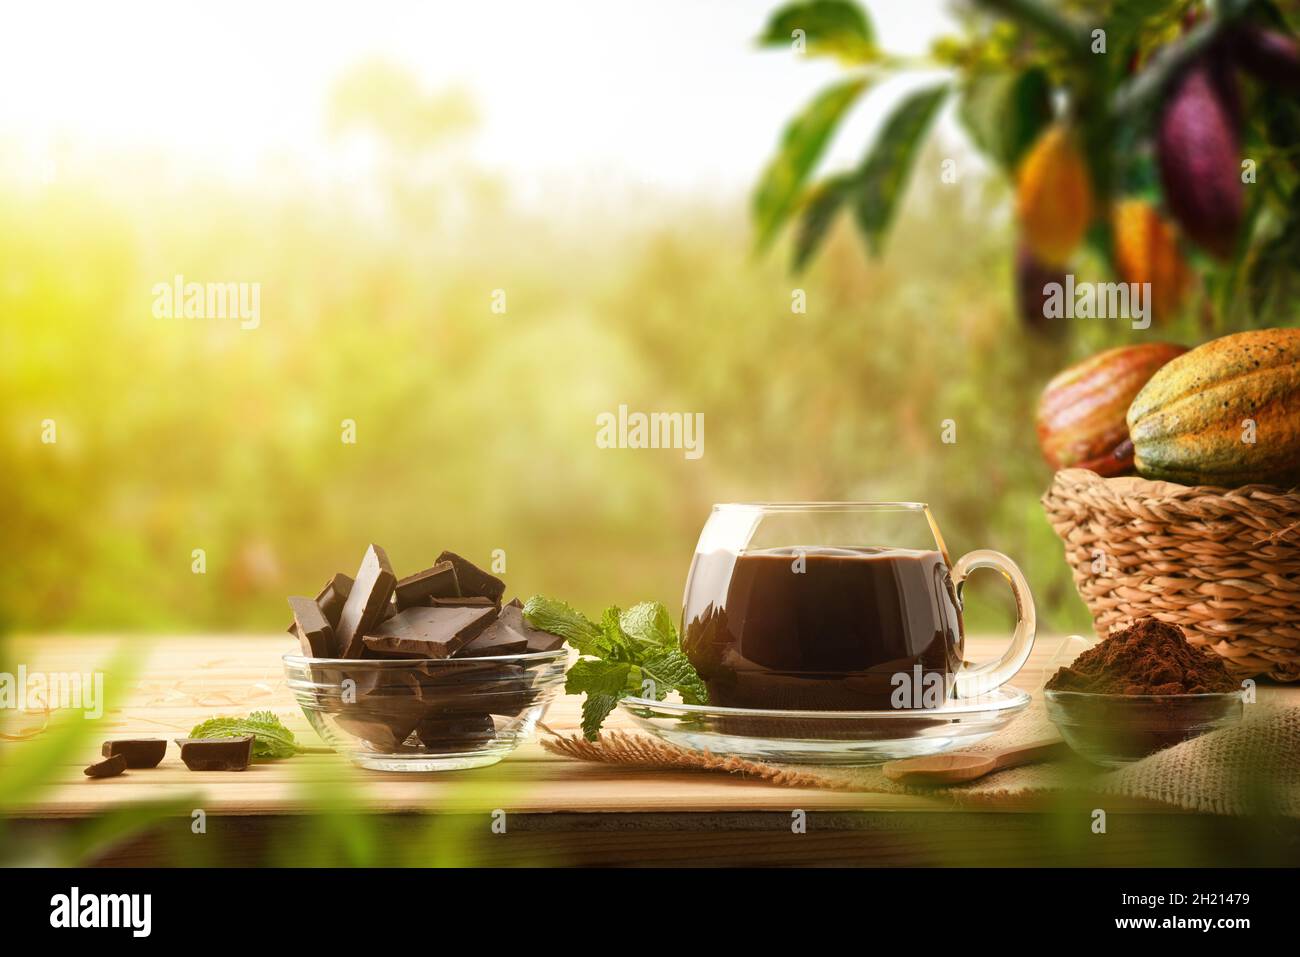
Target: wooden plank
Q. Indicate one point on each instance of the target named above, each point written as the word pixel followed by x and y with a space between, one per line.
pixel 184 680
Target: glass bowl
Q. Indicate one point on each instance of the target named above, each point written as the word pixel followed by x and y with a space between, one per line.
pixel 1112 730
pixel 827 737
pixel 426 714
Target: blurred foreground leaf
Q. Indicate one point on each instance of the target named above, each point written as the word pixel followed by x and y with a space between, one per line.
pixel 820 209
pixel 835 27
pixel 883 176
pixel 802 144
pixel 1005 112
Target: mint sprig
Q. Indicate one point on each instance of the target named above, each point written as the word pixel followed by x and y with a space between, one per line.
pixel 271 739
pixel 629 653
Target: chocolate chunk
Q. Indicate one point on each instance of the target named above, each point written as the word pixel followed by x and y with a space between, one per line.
pixel 366 602
pixel 489 687
pixel 462 732
pixel 538 640
pixel 474 580
pixel 497 639
pixel 216 754
pixel 436 582
pixel 462 601
pixel 331 600
pixel 109 767
pixel 515 603
pixel 427 631
pixel 138 752
pixel 315 633
pixel 381 733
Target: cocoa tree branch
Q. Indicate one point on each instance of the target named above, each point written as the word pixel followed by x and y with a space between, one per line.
pixel 1038 16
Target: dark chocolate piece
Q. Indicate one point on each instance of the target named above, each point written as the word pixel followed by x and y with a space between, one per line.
pixel 315 633
pixel 436 582
pixel 138 752
pixel 427 631
pixel 497 639
pixel 474 580
pixel 538 640
pixel 366 603
pixel 108 768
pixel 462 601
pixel 380 732
pixel 331 599
pixel 217 754
pixel 334 596
pixel 452 733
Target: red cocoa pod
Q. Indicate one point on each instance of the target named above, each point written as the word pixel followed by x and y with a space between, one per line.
pixel 1083 412
pixel 1271 57
pixel 1199 153
pixel 1031 278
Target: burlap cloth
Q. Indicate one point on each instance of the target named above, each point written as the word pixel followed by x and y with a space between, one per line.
pixel 1252 767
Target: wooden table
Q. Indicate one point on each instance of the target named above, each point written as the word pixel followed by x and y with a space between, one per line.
pixel 555 810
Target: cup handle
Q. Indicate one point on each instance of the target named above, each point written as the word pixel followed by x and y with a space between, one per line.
pixel 982 679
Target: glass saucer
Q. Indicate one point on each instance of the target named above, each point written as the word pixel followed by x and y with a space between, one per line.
pixel 827 737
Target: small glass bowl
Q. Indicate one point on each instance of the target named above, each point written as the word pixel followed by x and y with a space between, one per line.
pixel 426 714
pixel 827 737
pixel 1112 730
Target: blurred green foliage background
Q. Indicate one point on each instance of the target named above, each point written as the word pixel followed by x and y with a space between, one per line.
pixel 476 430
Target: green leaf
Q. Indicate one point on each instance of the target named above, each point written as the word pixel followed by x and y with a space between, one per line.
pixel 883 174
pixel 595 676
pixel 802 145
pixel 595 709
pixel 836 27
pixel 670 670
pixel 822 204
pixel 649 622
pixel 1005 112
pixel 547 614
pixel 634 647
pixel 617 643
pixel 604 683
pixel 271 739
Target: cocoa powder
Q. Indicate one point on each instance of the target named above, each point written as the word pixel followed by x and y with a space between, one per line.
pixel 1149 657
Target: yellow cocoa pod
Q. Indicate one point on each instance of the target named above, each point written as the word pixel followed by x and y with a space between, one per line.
pixel 1053 196
pixel 1146 251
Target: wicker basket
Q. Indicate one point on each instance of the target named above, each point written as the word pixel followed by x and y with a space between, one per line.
pixel 1224 565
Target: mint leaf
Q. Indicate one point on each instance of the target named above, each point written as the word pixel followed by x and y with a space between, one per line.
pixel 595 709
pixel 547 614
pixel 630 653
pixel 593 676
pixel 604 683
pixel 670 670
pixel 649 622
pixel 271 739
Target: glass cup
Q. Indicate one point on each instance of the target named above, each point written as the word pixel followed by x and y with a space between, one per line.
pixel 838 606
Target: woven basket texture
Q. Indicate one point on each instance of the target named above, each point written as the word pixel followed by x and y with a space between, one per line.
pixel 1222 564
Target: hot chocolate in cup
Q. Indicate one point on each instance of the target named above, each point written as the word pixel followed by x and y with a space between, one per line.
pixel 837 607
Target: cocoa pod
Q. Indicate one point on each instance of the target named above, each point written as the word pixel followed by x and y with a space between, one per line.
pixel 1199 153
pixel 1053 196
pixel 1082 415
pixel 1271 57
pixel 1032 277
pixel 1226 414
pixel 1146 251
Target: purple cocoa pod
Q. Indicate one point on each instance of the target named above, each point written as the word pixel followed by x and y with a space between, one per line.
pixel 1199 153
pixel 1271 57
pixel 1031 298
